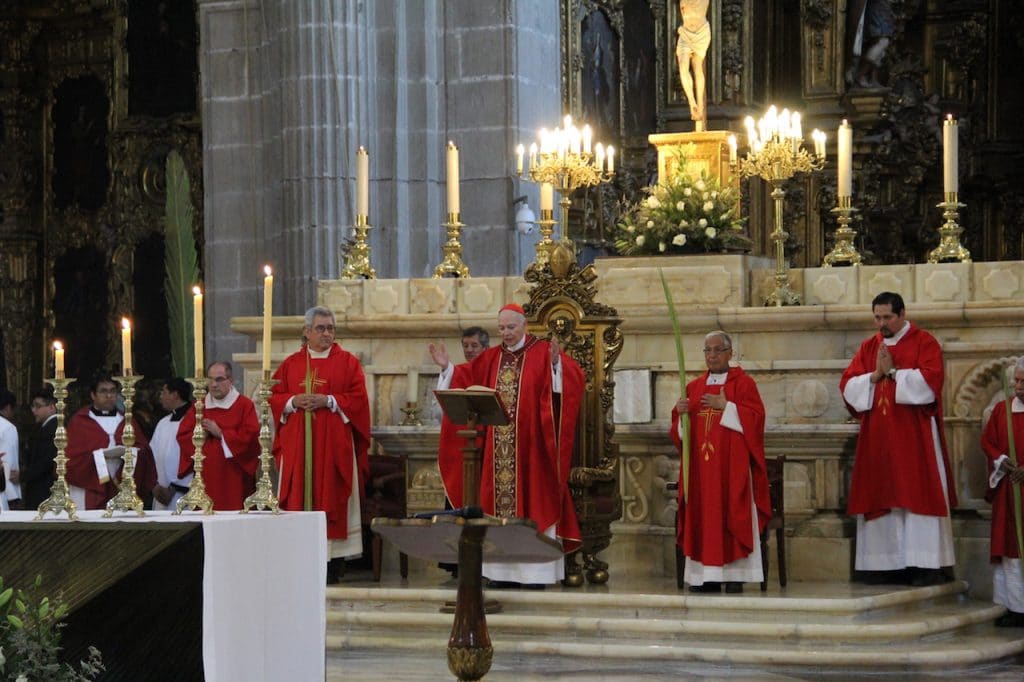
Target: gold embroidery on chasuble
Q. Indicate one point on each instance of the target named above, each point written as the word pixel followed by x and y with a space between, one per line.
pixel 707 418
pixel 504 460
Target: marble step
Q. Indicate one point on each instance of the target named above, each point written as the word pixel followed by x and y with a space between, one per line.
pixel 934 621
pixel 980 646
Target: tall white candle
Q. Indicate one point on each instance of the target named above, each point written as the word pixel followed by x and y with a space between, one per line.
pixel 58 359
pixel 126 347
pixel 547 197
pixel 588 135
pixel 197 325
pixel 950 156
pixel 268 307
pixel 599 156
pixel 362 182
pixel 845 144
pixel 732 149
pixel 453 178
pixel 412 386
pixel 611 158
pixel 520 151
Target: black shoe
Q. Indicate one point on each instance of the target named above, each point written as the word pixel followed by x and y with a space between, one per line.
pixel 899 577
pixel 534 586
pixel 734 588
pixel 926 577
pixel 706 588
pixel 502 585
pixel 335 569
pixel 1010 619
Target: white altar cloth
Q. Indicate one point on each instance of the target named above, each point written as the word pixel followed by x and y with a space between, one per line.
pixel 264 600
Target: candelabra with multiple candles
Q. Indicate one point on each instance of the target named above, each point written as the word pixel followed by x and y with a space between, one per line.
pixel 566 159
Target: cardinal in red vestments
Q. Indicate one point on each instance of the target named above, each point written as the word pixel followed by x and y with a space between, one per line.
pixel 526 463
pixel 322 389
pixel 232 443
pixel 1006 471
pixel 94 450
pixel 722 515
pixel 902 485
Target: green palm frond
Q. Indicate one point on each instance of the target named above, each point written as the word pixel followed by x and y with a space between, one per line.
pixel 182 264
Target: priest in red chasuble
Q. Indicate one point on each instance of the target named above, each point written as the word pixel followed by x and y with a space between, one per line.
pixel 1006 471
pixel 232 440
pixel 322 413
pixel 526 464
pixel 95 447
pixel 722 515
pixel 902 486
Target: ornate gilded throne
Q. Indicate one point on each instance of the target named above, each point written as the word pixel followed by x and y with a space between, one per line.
pixel 562 305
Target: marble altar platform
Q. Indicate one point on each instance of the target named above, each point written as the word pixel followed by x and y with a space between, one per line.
pixel 796 355
pixel 645 628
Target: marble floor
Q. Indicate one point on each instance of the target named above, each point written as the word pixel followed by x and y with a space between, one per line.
pixel 828 604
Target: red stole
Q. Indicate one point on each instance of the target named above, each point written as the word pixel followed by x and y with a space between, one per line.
pixel 335 442
pixel 228 480
pixel 86 435
pixel 995 442
pixel 526 464
pixel 714 524
pixel 895 459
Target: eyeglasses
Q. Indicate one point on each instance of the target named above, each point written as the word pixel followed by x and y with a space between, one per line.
pixel 324 329
pixel 717 350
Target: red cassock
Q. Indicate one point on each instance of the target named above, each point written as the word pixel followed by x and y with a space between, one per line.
pixel 995 442
pixel 335 442
pixel 526 465
pixel 228 480
pixel 894 466
pixel 714 523
pixel 86 435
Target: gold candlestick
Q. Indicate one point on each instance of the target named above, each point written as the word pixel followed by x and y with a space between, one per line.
pixel 263 498
pixel 196 497
pixel 452 265
pixel 412 415
pixel 547 229
pixel 357 260
pixel 775 157
pixel 844 250
pixel 60 496
pixel 127 498
pixel 950 249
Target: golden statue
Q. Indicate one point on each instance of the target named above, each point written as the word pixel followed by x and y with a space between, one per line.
pixel 691 47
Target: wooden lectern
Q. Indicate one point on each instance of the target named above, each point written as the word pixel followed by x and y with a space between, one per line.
pixel 511 540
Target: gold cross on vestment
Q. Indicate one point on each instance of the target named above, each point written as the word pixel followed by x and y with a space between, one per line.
pixel 706 418
pixel 315 381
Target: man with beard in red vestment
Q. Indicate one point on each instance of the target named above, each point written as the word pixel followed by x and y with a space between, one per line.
pixel 95 447
pixel 902 486
pixel 232 443
pixel 526 462
pixel 1005 471
pixel 722 515
pixel 321 389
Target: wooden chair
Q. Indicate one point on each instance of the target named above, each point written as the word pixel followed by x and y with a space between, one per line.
pixel 776 488
pixel 385 496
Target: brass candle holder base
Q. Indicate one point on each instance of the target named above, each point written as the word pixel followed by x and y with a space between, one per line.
pixel 196 497
pixel 950 250
pixel 452 265
pixel 127 498
pixel 782 295
pixel 546 244
pixel 357 260
pixel 60 495
pixel 264 499
pixel 412 415
pixel 843 252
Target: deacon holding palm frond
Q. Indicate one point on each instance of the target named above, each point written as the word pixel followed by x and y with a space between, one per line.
pixel 1006 475
pixel 726 506
pixel 322 413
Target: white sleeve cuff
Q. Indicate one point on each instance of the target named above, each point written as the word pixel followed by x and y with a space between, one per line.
pixel 997 472
pixel 100 462
pixel 227 451
pixel 731 417
pixel 444 378
pixel 556 378
pixel 859 392
pixel 912 389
